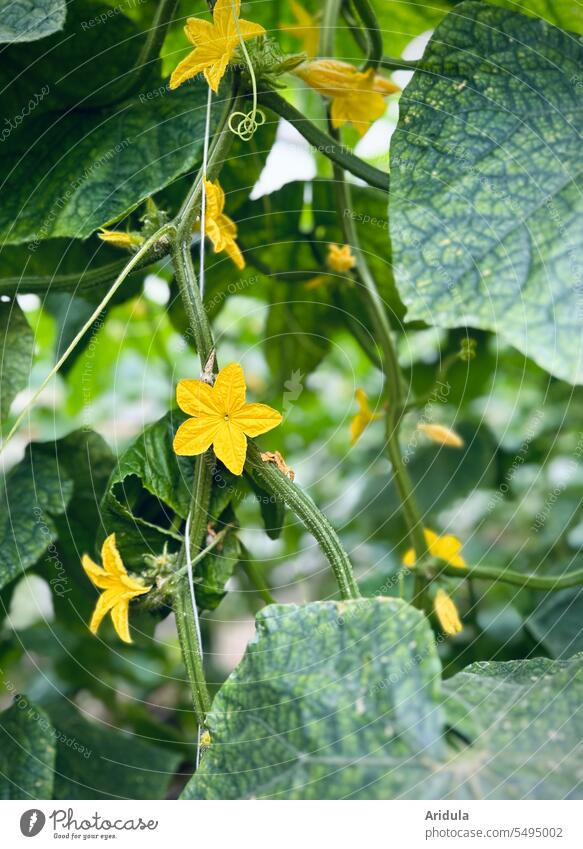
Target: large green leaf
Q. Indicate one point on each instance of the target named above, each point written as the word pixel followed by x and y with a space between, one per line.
pixel 556 622
pixel 485 207
pixel 82 156
pixel 344 700
pixel 27 752
pixel 96 762
pixel 567 14
pixel 16 351
pixel 33 494
pixel 29 20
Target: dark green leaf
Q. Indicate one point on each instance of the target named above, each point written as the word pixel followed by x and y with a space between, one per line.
pixel 29 20
pixel 27 752
pixel 485 206
pixel 16 352
pixel 566 14
pixel 556 622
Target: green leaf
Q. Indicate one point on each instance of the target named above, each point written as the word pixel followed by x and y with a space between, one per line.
pixel 101 156
pixel 34 493
pixel 556 622
pixel 29 20
pixel 566 14
pixel 148 486
pixel 312 710
pixel 27 752
pixel 485 207
pixel 96 762
pixel 343 700
pixel 17 349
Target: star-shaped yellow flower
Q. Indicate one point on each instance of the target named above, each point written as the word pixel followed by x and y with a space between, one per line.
pixel 221 418
pixel 357 96
pixel 447 613
pixel 306 28
pixel 119 588
pixel 221 230
pixel 340 259
pixel 214 43
pixel 445 548
pixel 364 416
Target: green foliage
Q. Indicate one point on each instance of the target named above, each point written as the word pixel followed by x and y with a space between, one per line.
pixel 27 752
pixel 373 720
pixel 484 218
pixel 29 20
pixel 16 344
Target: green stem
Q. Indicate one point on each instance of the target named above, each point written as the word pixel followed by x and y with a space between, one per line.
pixel 374 36
pixel 328 27
pixel 276 483
pixel 190 294
pixel 391 63
pixel 508 576
pixel 324 143
pixel 255 577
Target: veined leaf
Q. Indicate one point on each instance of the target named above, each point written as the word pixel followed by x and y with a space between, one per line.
pixel 29 20
pixel 16 352
pixel 567 14
pixel 338 700
pixel 485 204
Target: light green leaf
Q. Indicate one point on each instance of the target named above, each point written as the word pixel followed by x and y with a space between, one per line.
pixel 485 208
pixel 339 700
pixel 16 352
pixel 567 14
pixel 101 155
pixel 29 20
pixel 27 752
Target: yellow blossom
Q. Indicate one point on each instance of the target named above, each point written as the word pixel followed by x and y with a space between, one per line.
pixel 364 416
pixel 357 96
pixel 214 43
pixel 445 548
pixel 119 588
pixel 120 239
pixel 340 259
pixel 441 434
pixel 306 28
pixel 221 230
pixel 447 613
pixel 221 418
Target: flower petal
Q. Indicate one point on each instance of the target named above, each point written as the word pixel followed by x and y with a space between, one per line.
pixel 215 72
pixel 193 64
pixel 230 446
pixel 229 389
pixel 112 562
pixel 254 419
pixel 234 252
pixel 250 30
pixel 196 398
pixel 195 436
pixel 199 32
pixel 98 576
pixel 120 616
pixel 105 603
pixel 223 14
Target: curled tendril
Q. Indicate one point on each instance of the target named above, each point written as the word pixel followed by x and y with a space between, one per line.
pixel 244 124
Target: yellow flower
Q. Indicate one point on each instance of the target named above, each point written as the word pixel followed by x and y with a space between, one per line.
pixel 447 613
pixel 357 96
pixel 441 434
pixel 340 259
pixel 446 548
pixel 120 239
pixel 364 416
pixel 221 418
pixel 221 230
pixel 214 43
pixel 119 588
pixel 306 28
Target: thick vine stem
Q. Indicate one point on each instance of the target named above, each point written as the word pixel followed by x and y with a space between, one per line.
pixel 323 142
pixel 302 505
pixel 190 294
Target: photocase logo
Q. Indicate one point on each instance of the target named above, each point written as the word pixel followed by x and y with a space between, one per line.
pixel 32 822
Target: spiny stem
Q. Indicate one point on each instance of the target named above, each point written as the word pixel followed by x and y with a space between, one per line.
pixel 302 505
pixel 324 143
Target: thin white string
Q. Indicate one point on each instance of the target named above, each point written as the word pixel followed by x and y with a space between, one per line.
pixel 205 156
pixel 195 614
